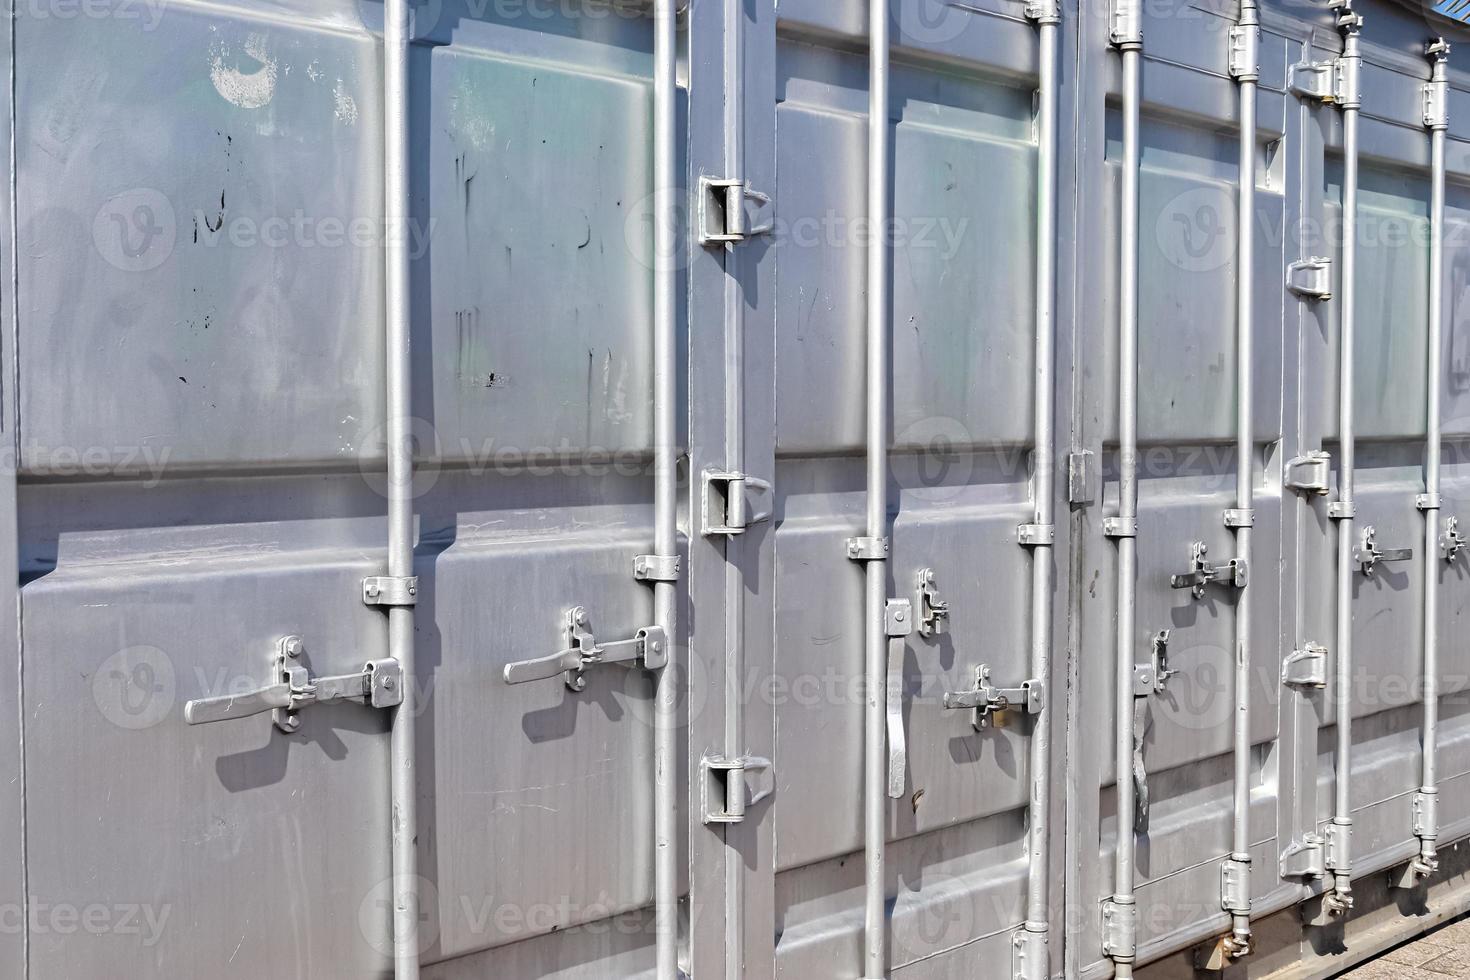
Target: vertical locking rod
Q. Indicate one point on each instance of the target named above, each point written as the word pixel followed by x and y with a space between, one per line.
pixel 1339 852
pixel 1436 118
pixel 665 485
pixel 1128 37
pixel 1246 73
pixel 1032 941
pixel 875 638
pixel 398 371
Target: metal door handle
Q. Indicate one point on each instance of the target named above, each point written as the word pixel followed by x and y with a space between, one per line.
pixel 379 684
pixel 647 649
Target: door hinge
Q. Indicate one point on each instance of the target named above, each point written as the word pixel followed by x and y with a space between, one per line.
pixel 1310 474
pixel 723 218
pixel 1306 667
pixel 1305 858
pixel 1310 278
pixel 648 649
pixel 985 698
pixel 1232 574
pixel 731 786
pixel 1332 82
pixel 1082 477
pixel 725 503
pixel 386 590
pixel 379 685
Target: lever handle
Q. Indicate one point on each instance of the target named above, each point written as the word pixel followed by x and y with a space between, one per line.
pixel 542 668
pixel 204 711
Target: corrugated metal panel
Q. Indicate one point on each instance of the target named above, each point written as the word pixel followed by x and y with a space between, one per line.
pixel 197 403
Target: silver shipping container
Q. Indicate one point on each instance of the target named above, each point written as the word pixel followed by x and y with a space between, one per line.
pixel 732 488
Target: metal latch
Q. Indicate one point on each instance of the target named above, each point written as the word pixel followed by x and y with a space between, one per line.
pixel 1310 278
pixel 1311 473
pixel 1231 574
pixel 933 611
pixel 1153 677
pixel 722 215
pixel 648 649
pixel 1028 697
pixel 1452 540
pixel 725 506
pixel 732 786
pixel 1306 667
pixel 1368 554
pixel 379 684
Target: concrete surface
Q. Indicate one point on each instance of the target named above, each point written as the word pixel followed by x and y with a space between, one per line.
pixel 1445 952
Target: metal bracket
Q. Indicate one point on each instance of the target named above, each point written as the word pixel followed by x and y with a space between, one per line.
pixel 656 568
pixel 1232 574
pixel 1153 677
pixel 1306 667
pixel 1436 92
pixel 1127 24
pixel 724 507
pixel 1035 535
pixel 1120 527
pixel 1082 477
pixel 1451 541
pixel 1342 510
pixel 1368 554
pixel 1028 955
pixel 1339 846
pixel 379 684
pixel 867 549
pixel 1236 517
pixel 1427 501
pixel 985 698
pixel 731 786
pixel 1310 278
pixel 722 215
pixel 647 649
pixel 933 611
pixel 1119 928
pixel 1426 815
pixel 1309 474
pixel 1235 886
pixel 385 590
pixel 1305 858
pixel 1245 46
pixel 1043 11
